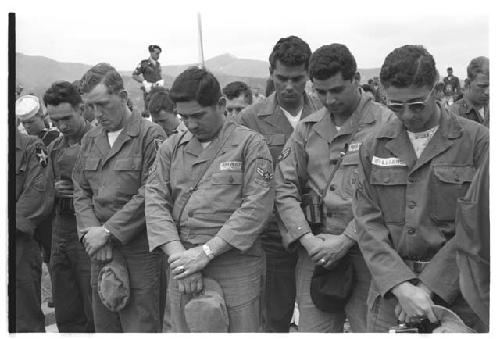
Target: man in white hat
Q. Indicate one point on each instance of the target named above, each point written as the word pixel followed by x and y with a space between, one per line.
pixel 29 112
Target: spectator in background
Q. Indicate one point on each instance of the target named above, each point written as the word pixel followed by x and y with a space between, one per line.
pixel 238 96
pixel 357 78
pixel 148 73
pixel 475 105
pixel 162 110
pixel 451 85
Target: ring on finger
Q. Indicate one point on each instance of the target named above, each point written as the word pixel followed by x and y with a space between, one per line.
pixel 180 268
pixel 322 261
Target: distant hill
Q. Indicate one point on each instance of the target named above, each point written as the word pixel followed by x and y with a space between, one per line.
pixel 36 73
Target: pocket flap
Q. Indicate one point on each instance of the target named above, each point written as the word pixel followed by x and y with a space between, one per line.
pixel 275 139
pixel 389 176
pixel 351 158
pixel 91 164
pixel 130 164
pixel 227 178
pixel 453 174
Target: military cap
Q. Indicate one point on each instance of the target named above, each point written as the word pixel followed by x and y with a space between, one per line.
pixel 449 321
pixel 207 312
pixel 27 106
pixel 113 284
pixel 151 48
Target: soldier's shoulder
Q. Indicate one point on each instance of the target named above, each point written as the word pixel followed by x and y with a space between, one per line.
pixel 251 111
pixel 380 111
pixel 30 142
pixel 314 117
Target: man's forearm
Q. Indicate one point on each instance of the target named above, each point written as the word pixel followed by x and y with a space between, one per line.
pixel 218 246
pixel 172 248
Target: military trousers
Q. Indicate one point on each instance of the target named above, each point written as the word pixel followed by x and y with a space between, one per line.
pixel 142 312
pixel 29 315
pixel 279 294
pixel 240 277
pixel 311 319
pixel 70 265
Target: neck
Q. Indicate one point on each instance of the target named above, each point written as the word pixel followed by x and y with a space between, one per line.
pixel 75 138
pixel 292 108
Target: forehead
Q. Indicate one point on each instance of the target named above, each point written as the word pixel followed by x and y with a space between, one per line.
pixel 406 93
pixel 237 102
pixel 191 107
pixel 97 94
pixel 334 81
pixel 289 71
pixel 63 109
pixel 482 78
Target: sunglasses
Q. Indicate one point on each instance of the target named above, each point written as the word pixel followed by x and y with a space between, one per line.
pixel 414 106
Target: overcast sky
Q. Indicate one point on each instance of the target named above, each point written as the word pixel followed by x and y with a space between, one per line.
pixel 119 32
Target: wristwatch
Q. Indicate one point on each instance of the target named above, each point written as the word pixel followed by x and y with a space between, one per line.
pixel 208 251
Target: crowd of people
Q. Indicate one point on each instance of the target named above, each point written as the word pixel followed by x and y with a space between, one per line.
pixel 219 211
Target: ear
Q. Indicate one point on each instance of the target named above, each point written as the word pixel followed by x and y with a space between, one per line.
pixel 271 71
pixel 221 104
pixel 123 94
pixel 80 108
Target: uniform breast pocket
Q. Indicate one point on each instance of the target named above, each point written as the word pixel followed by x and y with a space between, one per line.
pixel 128 175
pixel 449 182
pixel 390 184
pixel 347 175
pixel 229 178
pixel 90 170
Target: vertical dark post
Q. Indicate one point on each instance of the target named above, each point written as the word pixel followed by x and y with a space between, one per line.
pixel 12 175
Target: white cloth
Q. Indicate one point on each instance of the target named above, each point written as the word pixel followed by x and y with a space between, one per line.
pixel 112 136
pixel 205 144
pixel 481 112
pixel 420 140
pixel 294 120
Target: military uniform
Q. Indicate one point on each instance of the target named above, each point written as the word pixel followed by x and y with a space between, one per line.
pixel 109 189
pixel 464 109
pixel 473 244
pixel 267 118
pixel 69 262
pixel 451 86
pixel 405 211
pixel 306 164
pixel 151 72
pixel 232 201
pixel 33 201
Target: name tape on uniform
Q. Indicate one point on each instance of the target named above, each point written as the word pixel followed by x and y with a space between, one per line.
pixel 354 147
pixel 230 166
pixel 388 162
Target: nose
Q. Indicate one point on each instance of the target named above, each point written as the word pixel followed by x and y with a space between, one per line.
pixel 191 124
pixel 330 99
pixel 407 113
pixel 289 85
pixel 97 112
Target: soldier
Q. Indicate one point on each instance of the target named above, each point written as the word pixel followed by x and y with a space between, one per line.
pixel 31 116
pixel 451 85
pixel 238 96
pixel 148 73
pixel 33 201
pixel 207 199
pixel 275 118
pixel 475 105
pixel 69 263
pixel 109 177
pixel 163 112
pixel 411 174
pixel 320 159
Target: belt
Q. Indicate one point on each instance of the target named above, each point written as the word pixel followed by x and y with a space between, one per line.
pixel 417 266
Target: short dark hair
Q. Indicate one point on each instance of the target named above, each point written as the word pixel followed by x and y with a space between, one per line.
pixel 102 73
pixel 410 65
pixel 290 51
pixel 478 65
pixel 151 48
pixel 196 84
pixel 449 68
pixel 235 89
pixel 61 92
pixel 160 100
pixel 329 60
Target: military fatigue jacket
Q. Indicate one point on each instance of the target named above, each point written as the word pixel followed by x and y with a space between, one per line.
pixel 33 200
pixel 307 162
pixel 405 208
pixel 150 71
pixel 232 200
pixel 267 118
pixel 464 109
pixel 109 182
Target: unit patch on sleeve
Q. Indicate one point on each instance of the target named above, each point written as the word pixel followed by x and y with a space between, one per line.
pixel 284 153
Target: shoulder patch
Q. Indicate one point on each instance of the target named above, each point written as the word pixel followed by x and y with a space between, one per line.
pixel 284 153
pixel 42 156
pixel 265 174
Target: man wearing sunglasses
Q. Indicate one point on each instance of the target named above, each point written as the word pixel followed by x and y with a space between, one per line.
pixel 411 174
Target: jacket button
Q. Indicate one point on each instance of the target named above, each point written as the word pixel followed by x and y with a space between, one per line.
pixel 386 180
pixel 457 178
pixel 412 204
pixel 332 187
pixel 231 180
pixel 190 214
pixel 411 180
pixel 411 230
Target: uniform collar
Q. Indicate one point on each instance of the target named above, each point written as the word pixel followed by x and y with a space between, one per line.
pixel 271 105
